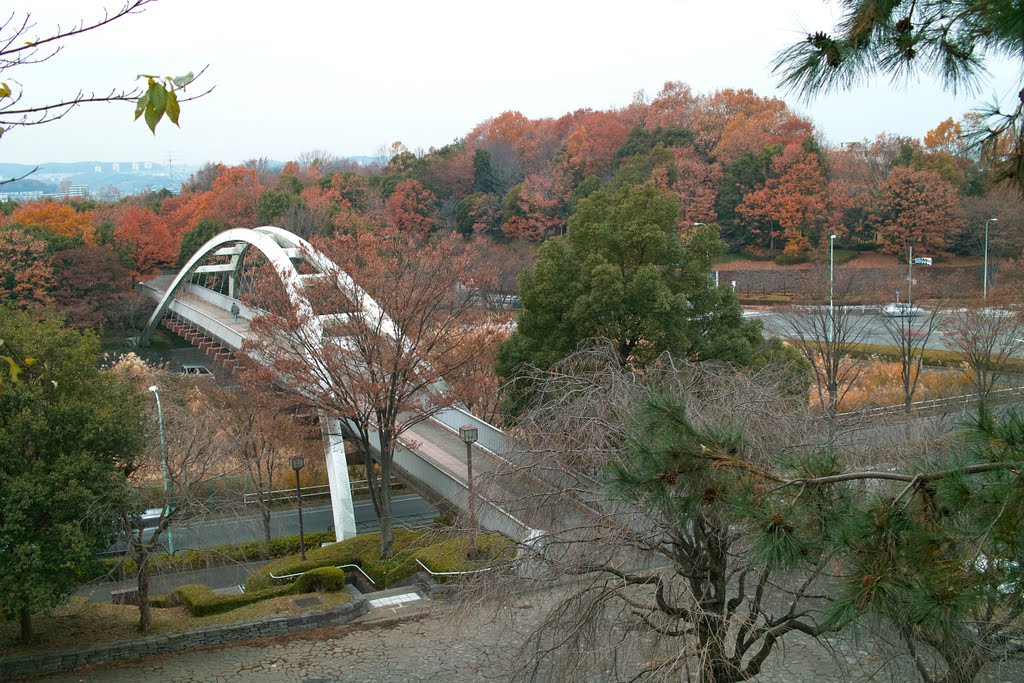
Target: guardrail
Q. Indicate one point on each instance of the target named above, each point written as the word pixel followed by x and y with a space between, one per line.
pixel 358 486
pixel 339 566
pixel 934 403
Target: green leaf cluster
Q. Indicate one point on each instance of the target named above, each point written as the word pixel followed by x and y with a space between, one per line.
pixel 161 98
pixel 67 433
pixel 623 272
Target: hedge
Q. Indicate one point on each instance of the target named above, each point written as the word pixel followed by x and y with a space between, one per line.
pixel 218 556
pixel 320 580
pixel 201 601
pixel 442 551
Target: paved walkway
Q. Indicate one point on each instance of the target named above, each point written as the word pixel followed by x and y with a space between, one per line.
pixel 434 641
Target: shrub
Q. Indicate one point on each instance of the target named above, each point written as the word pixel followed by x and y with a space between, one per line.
pixel 785 259
pixel 320 580
pixel 841 256
pixel 201 601
pixel 439 550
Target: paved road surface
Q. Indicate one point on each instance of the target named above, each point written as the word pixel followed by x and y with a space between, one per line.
pixel 203 532
pixel 444 643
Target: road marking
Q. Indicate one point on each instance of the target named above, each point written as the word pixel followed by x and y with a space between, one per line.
pixel 395 600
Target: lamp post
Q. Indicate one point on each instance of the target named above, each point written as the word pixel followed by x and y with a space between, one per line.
pixel 297 462
pixel 831 280
pixel 163 460
pixel 469 434
pixel 984 289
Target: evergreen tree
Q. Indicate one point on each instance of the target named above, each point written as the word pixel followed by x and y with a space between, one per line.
pixel 67 434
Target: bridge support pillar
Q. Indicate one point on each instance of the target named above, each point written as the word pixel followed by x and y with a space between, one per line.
pixel 337 476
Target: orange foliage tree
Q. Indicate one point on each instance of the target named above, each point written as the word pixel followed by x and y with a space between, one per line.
pixel 146 237
pixel 57 217
pixel 410 209
pixel 594 139
pixel 235 197
pixel 535 208
pixel 793 200
pixel 26 276
pixel 916 208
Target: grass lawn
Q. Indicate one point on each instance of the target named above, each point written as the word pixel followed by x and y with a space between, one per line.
pixel 81 622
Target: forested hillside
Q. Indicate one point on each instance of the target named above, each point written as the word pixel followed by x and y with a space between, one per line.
pixel 746 163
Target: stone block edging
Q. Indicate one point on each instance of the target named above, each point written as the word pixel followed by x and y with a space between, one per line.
pixel 26 665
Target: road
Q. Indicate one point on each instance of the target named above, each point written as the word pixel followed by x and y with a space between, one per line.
pixel 203 532
pixel 777 322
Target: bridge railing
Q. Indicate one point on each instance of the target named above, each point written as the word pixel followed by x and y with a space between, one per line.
pixel 489 437
pixel 225 334
pixel 489 514
pixel 220 300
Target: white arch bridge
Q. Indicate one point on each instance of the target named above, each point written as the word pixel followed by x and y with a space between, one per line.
pixel 430 455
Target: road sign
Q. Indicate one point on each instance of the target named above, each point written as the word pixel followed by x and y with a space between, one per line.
pixel 923 261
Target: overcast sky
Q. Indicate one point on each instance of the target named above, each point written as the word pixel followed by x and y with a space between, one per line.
pixel 349 77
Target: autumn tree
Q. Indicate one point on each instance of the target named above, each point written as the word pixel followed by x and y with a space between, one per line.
pixel 793 199
pixel 265 436
pixel 146 238
pixel 410 209
pixel 234 197
pixel 378 368
pixel 535 208
pixel 185 444
pixel 59 218
pixel 916 208
pixel 92 288
pixel 26 276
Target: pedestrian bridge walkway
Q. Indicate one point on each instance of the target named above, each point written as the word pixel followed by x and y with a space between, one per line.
pixel 431 454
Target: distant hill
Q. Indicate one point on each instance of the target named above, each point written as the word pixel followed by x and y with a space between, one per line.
pixel 106 178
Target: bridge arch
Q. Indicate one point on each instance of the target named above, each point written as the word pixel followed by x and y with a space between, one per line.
pixel 280 247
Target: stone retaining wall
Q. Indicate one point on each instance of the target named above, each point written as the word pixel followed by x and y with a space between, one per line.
pixel 11 667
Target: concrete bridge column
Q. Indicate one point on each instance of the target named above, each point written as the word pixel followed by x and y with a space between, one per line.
pixel 337 476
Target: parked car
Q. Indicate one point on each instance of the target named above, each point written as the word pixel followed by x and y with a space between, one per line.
pixel 197 371
pixel 900 309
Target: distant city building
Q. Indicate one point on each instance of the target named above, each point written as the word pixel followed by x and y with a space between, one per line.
pixel 71 192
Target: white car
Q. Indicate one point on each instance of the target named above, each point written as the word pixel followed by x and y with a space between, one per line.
pixel 902 310
pixel 197 371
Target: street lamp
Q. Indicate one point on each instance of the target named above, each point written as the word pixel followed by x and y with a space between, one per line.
pixel 297 462
pixel 984 290
pixel 831 280
pixel 163 459
pixel 469 434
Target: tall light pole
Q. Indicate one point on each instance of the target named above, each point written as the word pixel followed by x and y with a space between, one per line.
pixel 468 433
pixel 163 460
pixel 831 279
pixel 297 462
pixel 984 289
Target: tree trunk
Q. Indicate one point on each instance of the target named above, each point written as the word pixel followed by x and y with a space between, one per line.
pixel 265 514
pixel 142 586
pixel 25 617
pixel 833 397
pixel 386 518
